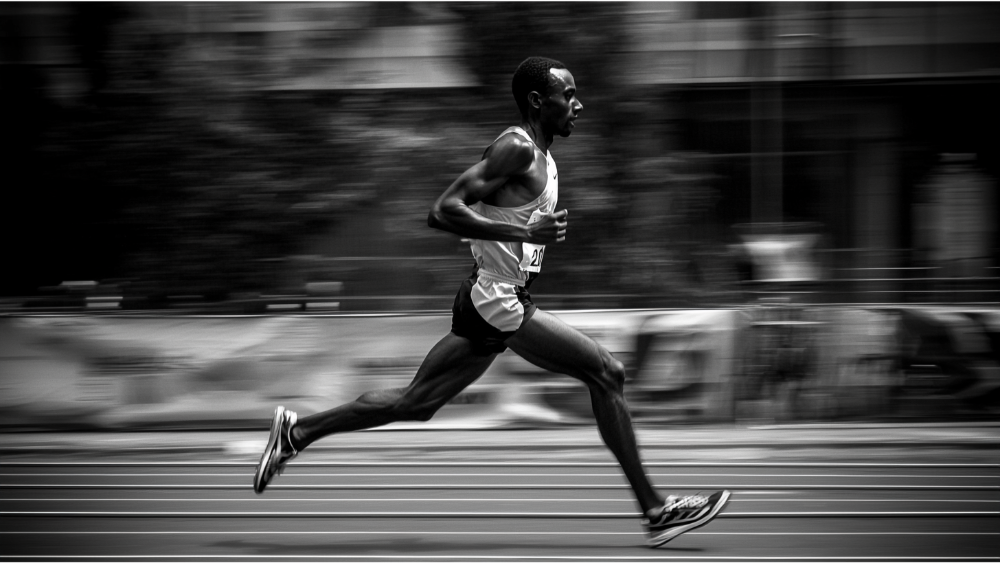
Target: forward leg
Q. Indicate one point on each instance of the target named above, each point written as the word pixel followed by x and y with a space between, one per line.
pixel 549 343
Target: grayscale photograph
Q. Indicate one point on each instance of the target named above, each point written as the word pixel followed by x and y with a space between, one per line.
pixel 500 282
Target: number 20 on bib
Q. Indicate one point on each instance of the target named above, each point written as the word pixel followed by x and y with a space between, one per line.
pixel 532 254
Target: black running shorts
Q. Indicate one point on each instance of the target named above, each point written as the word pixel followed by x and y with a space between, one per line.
pixel 487 313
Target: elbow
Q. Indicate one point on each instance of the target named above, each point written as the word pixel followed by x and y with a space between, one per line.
pixel 435 219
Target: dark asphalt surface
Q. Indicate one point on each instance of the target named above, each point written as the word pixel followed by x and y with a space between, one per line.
pixel 801 493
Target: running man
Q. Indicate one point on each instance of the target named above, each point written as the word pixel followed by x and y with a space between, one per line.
pixel 506 204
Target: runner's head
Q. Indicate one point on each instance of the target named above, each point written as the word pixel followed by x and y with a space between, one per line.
pixel 545 86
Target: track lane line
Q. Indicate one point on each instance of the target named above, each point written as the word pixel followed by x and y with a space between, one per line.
pixel 502 486
pixel 554 500
pixel 307 463
pixel 553 475
pixel 665 557
pixel 477 533
pixel 469 515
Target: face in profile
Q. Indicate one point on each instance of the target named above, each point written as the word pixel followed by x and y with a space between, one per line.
pixel 560 106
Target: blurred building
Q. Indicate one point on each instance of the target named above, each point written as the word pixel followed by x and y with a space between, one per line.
pixel 844 115
pixel 847 114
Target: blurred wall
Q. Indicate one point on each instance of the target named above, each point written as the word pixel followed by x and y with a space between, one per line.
pixel 773 363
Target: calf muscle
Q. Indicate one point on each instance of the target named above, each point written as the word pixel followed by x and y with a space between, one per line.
pixel 448 368
pixel 549 343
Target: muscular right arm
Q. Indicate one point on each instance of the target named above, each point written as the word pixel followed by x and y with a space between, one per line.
pixel 508 158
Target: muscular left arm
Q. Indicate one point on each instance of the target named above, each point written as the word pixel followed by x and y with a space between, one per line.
pixel 452 212
pixel 510 157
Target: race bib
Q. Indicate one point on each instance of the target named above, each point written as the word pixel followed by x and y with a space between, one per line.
pixel 532 254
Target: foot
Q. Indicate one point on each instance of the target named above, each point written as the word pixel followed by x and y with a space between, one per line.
pixel 279 450
pixel 683 514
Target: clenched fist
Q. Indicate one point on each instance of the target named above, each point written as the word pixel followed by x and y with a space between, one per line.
pixel 549 227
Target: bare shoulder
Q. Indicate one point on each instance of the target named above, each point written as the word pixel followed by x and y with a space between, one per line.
pixel 511 153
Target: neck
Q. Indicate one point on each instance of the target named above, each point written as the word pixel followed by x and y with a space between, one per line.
pixel 534 130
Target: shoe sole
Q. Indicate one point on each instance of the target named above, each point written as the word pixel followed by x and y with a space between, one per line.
pixel 674 532
pixel 259 483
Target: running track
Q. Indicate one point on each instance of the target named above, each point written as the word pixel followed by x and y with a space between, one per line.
pixel 485 505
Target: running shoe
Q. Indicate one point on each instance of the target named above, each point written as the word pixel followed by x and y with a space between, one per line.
pixel 279 450
pixel 683 514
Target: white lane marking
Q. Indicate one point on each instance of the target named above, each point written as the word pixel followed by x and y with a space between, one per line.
pixel 666 557
pixel 553 475
pixel 492 463
pixel 499 486
pixel 480 500
pixel 475 533
pixel 462 515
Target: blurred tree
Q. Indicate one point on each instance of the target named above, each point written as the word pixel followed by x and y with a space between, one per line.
pixel 212 178
pixel 178 168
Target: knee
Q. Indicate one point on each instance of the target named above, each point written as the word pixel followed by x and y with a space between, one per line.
pixel 612 374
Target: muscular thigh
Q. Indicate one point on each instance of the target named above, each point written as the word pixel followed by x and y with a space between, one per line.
pixel 549 343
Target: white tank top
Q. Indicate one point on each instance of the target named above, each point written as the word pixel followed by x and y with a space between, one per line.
pixel 513 262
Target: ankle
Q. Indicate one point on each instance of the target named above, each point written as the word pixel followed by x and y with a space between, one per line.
pixel 656 508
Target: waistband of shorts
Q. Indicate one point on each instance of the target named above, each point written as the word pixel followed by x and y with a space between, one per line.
pixel 501 278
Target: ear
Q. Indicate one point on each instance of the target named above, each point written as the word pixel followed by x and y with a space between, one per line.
pixel 534 99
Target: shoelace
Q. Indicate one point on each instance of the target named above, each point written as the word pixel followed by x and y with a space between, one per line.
pixel 693 501
pixel 679 503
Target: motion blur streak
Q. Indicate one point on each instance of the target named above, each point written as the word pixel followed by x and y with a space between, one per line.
pixel 783 222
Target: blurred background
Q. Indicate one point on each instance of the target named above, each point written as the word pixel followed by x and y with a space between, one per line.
pixel 780 211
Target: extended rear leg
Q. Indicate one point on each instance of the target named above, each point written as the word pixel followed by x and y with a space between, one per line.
pixel 449 368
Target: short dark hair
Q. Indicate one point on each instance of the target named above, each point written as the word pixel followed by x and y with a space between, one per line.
pixel 532 75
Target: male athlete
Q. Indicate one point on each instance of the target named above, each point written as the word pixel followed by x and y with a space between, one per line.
pixel 506 204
